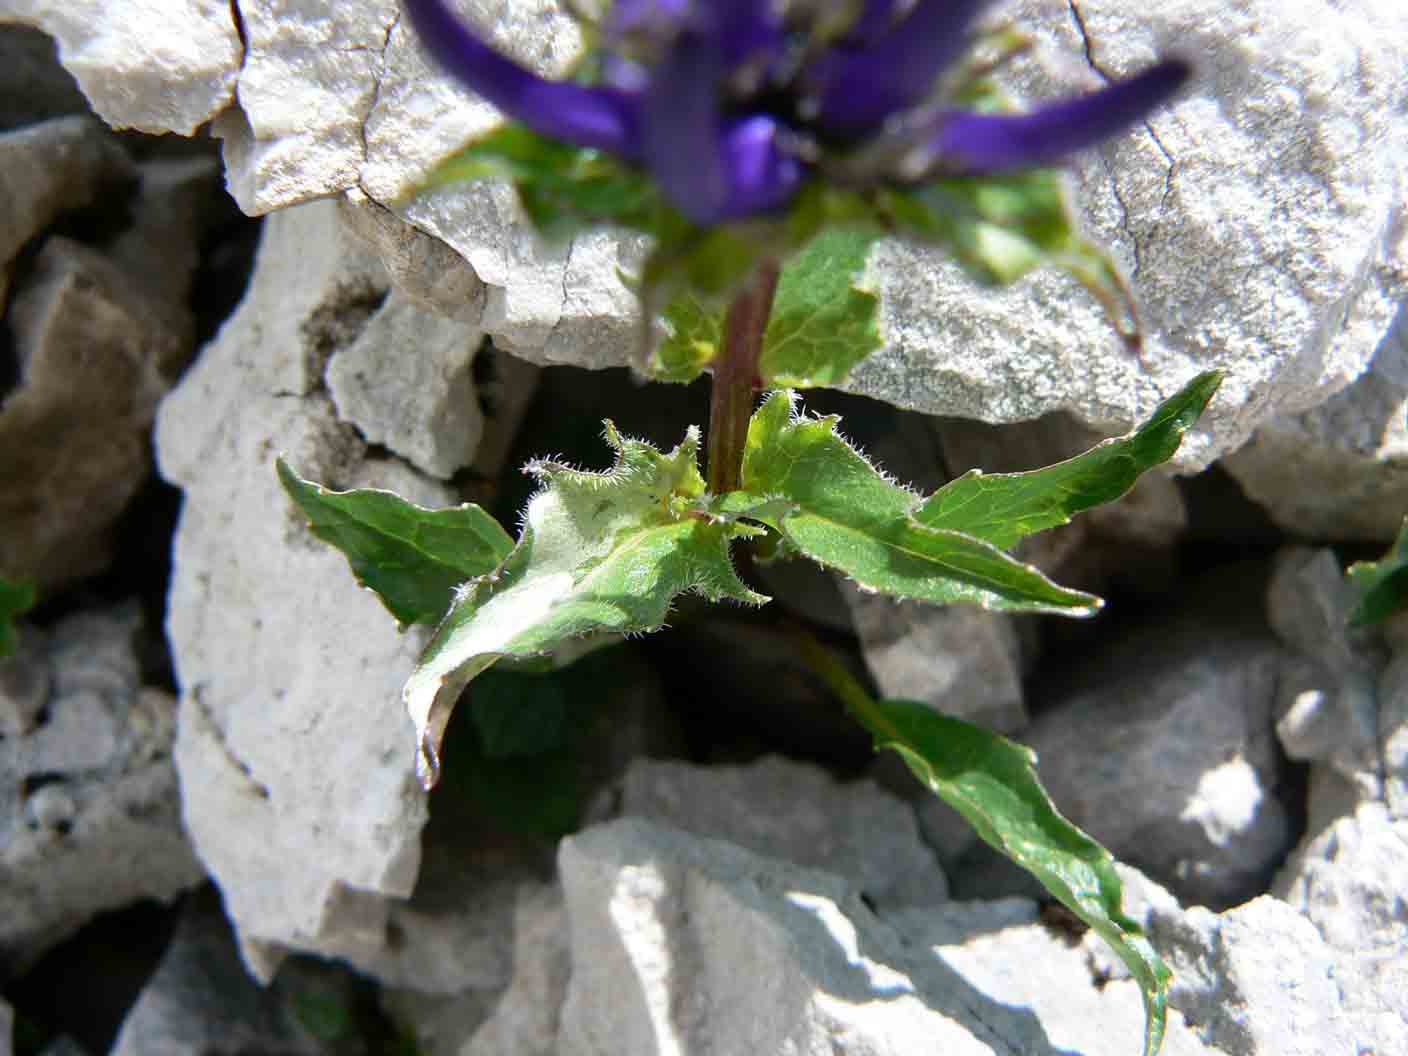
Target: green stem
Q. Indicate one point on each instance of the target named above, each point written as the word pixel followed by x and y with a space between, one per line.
pixel 840 681
pixel 736 377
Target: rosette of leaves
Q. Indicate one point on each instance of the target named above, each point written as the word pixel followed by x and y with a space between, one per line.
pixel 733 130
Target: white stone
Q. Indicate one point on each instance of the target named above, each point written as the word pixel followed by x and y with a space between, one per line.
pixel 1168 758
pixel 151 65
pixel 1340 470
pixel 294 751
pixel 856 830
pixel 682 945
pixel 405 383
pixel 89 809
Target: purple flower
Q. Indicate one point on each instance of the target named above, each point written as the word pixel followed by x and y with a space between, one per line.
pixel 731 105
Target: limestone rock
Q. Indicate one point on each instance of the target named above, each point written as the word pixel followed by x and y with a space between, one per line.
pixel 686 944
pixel 404 382
pixel 1167 757
pixel 89 811
pixel 295 754
pixel 156 66
pixel 97 349
pixel 200 1000
pixel 1331 703
pixel 958 659
pixel 797 814
pixel 48 168
pixel 1338 471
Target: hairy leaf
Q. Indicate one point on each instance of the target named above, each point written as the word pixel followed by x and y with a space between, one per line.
pixel 413 558
pixel 519 714
pixel 693 336
pixel 1002 508
pixel 822 323
pixel 993 783
pixel 599 552
pixel 845 515
pixel 16 597
pixel 1382 585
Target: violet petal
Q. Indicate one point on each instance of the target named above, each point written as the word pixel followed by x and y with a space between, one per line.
pixel 681 123
pixel 855 89
pixel 601 117
pixel 970 142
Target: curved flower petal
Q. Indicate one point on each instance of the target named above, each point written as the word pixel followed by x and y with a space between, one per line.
pixel 853 90
pixel 601 117
pixel 762 174
pixel 973 143
pixel 681 123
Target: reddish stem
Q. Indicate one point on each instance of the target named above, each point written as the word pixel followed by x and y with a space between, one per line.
pixel 736 378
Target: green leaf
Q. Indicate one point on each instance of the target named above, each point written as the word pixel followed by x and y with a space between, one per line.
pixel 847 516
pixel 599 552
pixel 563 188
pixel 413 558
pixel 822 323
pixel 693 336
pixel 16 597
pixel 1382 585
pixel 1002 508
pixel 993 783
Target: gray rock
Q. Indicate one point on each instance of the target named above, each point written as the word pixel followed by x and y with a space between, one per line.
pixel 1169 760
pixel 1393 732
pixel 424 268
pixel 692 945
pixel 89 810
pixel 958 659
pixel 1347 878
pixel 1259 980
pixel 295 754
pixel 525 1021
pixel 48 168
pixel 855 830
pixel 201 1001
pixel 96 351
pixel 404 382
pixel 1340 470
pixel 167 66
pixel 1330 697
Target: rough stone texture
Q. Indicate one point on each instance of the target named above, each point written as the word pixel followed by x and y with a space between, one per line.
pixel 295 755
pixel 1257 219
pixel 100 336
pixel 692 945
pixel 854 830
pixel 1283 166
pixel 47 168
pixel 958 659
pixel 200 1000
pixel 152 65
pixel 525 1022
pixel 1393 718
pixel 89 816
pixel 405 383
pixel 1340 470
pixel 1330 699
pixel 1176 729
pixel 1348 881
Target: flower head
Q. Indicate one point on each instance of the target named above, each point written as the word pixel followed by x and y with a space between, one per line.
pixel 732 105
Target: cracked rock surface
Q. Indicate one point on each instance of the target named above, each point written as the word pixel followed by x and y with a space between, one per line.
pixel 1259 218
pixel 89 810
pixel 295 756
